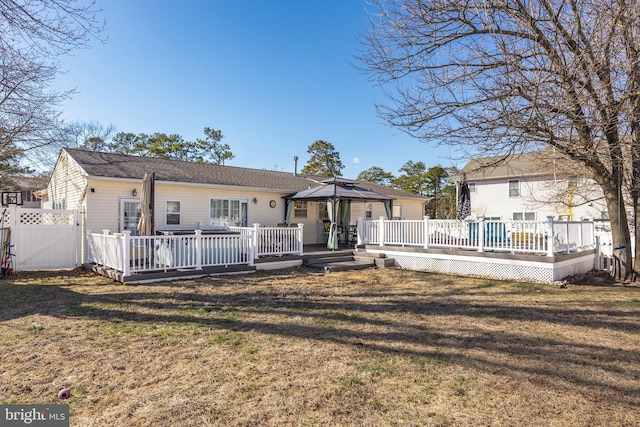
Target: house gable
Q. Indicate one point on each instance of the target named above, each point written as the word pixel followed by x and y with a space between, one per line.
pixel 67 186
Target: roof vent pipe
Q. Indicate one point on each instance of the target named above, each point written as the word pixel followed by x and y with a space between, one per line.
pixel 295 165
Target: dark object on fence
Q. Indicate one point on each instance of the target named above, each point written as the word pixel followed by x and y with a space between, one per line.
pixel 6 257
pixel 463 208
pixel 11 198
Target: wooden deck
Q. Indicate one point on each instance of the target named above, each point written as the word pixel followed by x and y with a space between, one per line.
pixel 494 264
pixel 311 253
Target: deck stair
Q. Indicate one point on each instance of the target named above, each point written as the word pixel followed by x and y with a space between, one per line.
pixel 347 260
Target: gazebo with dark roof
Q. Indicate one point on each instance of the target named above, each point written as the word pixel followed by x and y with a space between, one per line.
pixel 338 192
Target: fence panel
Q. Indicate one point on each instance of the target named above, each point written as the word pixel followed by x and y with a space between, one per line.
pixel 163 253
pixel 368 232
pixel 512 236
pixel 410 233
pixel 226 250
pixel 452 233
pixel 527 236
pixel 45 238
pixel 278 240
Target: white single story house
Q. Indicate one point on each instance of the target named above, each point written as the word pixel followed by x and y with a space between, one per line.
pixel 532 186
pixel 106 188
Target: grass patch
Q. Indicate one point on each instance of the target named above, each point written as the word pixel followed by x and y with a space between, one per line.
pixel 372 347
pixel 435 358
pixel 458 385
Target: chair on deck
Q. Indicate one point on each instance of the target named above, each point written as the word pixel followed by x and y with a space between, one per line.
pixel 352 234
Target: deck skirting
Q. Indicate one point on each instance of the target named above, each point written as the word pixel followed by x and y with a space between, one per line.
pixel 503 266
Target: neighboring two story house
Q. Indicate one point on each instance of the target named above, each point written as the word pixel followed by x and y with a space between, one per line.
pixel 532 186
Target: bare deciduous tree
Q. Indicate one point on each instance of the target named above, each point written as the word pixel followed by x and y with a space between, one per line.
pixel 34 34
pixel 498 77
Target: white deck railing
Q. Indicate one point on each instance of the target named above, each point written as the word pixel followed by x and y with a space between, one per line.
pixel 546 237
pixel 239 246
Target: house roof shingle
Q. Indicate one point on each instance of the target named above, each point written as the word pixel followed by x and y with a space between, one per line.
pixel 529 164
pixel 111 165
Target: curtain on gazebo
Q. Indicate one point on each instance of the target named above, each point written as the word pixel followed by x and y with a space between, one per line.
pixel 387 208
pixel 332 210
pixel 288 212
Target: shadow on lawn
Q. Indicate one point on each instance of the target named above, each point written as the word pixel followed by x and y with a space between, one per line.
pixel 395 323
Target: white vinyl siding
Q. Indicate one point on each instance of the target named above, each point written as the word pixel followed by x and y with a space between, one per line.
pixel 66 186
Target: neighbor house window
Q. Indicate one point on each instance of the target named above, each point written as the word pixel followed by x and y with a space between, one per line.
pixel 514 188
pixel 228 212
pixel 527 216
pixel 173 212
pixel 396 212
pixel 323 213
pixel 368 212
pixel 29 196
pixel 60 205
pixel 300 209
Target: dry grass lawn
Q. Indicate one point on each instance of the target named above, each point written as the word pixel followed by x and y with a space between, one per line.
pixel 294 347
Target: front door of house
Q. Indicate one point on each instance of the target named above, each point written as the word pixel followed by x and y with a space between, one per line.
pixel 129 215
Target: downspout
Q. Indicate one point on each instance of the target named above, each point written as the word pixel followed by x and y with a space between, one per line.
pixel 153 203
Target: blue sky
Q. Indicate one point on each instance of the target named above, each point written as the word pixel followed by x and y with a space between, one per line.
pixel 273 76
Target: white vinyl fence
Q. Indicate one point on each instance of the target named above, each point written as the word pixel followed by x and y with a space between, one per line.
pixel 235 246
pixel 543 237
pixel 40 239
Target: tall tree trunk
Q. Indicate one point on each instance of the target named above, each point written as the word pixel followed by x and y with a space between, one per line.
pixel 623 261
pixel 635 195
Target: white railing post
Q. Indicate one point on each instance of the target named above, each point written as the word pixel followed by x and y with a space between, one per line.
pixel 126 253
pixel 252 248
pixel 381 231
pixel 198 244
pixel 598 260
pixel 359 231
pixel 14 217
pixel 77 236
pixel 90 249
pixel 105 233
pixel 301 238
pixel 425 232
pixel 581 242
pixel 550 236
pixel 256 237
pixel 14 241
pixel 481 234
